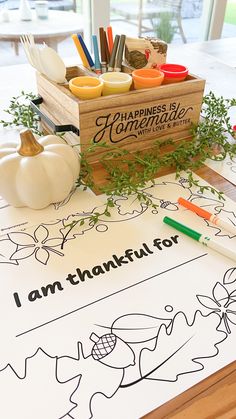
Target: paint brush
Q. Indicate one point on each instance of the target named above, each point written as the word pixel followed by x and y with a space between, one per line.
pixel 113 53
pixel 205 240
pixel 208 216
pixel 120 53
pixel 86 52
pixel 102 50
pixel 97 63
pixel 106 47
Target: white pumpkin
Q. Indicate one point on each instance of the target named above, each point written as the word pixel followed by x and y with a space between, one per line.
pixel 38 172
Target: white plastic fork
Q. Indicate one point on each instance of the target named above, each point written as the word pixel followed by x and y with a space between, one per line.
pixel 35 54
pixel 25 43
pixel 45 60
pixel 32 52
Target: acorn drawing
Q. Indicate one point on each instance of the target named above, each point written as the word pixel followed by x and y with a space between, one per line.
pixel 112 351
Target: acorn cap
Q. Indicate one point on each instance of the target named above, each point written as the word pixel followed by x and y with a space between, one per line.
pixel 103 346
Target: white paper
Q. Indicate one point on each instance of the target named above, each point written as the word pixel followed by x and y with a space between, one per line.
pixel 161 306
pixel 225 168
pixel 14 219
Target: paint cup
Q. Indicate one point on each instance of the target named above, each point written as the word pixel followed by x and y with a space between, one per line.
pixel 173 73
pixel 145 78
pixel 86 87
pixel 115 82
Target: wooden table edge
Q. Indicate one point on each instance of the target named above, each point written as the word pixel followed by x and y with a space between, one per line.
pixel 199 391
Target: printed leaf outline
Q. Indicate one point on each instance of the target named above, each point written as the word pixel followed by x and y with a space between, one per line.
pixel 171 344
pixel 90 377
pixel 40 371
pixel 229 276
pixel 7 248
pixel 221 304
pixel 38 244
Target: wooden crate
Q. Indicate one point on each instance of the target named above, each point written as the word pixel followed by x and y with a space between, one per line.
pixel 134 120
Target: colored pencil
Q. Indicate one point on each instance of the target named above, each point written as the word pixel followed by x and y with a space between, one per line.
pixel 205 240
pixel 120 53
pixel 208 216
pixel 110 38
pixel 97 63
pixel 80 50
pixel 113 53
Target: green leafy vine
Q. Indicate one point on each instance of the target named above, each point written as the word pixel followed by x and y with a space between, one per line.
pixel 21 114
pixel 127 173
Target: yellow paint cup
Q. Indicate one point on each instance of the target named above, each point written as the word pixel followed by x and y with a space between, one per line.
pixel 115 83
pixel 86 87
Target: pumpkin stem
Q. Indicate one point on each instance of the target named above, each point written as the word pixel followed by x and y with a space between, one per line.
pixel 29 145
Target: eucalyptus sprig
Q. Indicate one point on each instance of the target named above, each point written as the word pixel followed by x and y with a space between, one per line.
pixel 21 114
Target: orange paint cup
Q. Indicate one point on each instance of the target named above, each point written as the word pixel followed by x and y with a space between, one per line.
pixel 145 78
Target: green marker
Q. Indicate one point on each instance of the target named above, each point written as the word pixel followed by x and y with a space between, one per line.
pixel 207 241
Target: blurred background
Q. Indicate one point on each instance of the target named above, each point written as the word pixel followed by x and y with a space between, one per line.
pixel 174 21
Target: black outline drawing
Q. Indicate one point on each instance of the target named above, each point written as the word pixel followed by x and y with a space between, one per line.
pixel 120 213
pixel 131 338
pixel 232 164
pixel 134 340
pixel 113 354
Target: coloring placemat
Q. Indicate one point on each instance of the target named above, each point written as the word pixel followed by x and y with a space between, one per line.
pixel 113 320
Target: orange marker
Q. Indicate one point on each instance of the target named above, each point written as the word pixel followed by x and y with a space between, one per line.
pixel 110 38
pixel 208 216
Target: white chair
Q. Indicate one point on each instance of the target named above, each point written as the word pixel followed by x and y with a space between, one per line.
pixel 150 10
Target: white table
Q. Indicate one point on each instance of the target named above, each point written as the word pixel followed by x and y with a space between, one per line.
pixel 58 26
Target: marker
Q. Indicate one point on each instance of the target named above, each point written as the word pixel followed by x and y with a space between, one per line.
pixel 207 241
pixel 80 50
pixel 120 53
pixel 97 64
pixel 208 216
pixel 86 51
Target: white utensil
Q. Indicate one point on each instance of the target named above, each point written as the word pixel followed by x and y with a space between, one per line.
pixel 52 64
pixel 26 45
pixel 35 54
pixel 46 60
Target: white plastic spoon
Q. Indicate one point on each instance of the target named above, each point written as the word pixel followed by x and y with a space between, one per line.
pixel 52 65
